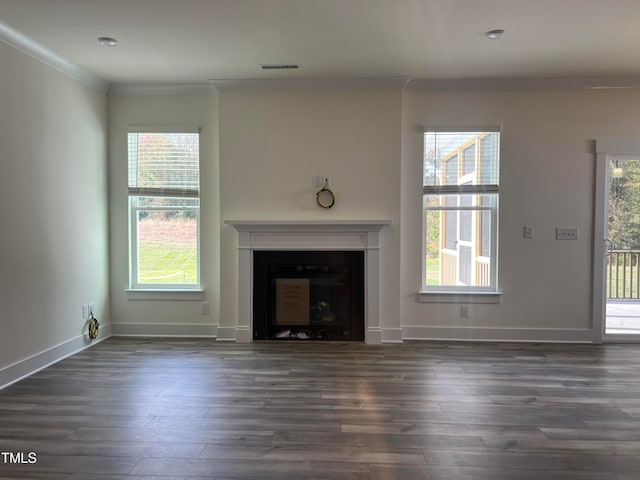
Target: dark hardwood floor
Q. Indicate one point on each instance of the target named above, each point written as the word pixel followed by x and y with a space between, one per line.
pixel 194 409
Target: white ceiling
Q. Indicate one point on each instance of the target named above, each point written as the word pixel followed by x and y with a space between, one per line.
pixel 193 41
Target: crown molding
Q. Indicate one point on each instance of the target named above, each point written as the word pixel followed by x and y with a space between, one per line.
pixel 506 84
pixel 161 89
pixel 407 84
pixel 43 54
pixel 310 84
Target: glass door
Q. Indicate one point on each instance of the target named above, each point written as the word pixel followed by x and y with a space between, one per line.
pixel 622 247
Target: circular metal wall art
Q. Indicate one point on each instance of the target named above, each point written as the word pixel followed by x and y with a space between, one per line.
pixel 325 197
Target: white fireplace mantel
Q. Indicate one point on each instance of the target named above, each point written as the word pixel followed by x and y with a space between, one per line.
pixel 308 235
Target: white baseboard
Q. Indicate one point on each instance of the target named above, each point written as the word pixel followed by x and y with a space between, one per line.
pixel 549 335
pixel 373 336
pixel 386 335
pixel 243 335
pixel 226 334
pixel 391 335
pixel 163 330
pixel 39 361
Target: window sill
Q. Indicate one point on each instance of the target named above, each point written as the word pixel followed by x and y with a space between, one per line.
pixel 459 297
pixel 161 294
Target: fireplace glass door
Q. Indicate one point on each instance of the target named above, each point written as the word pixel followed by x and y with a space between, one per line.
pixel 308 295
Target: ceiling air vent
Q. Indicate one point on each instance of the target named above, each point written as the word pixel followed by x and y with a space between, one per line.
pixel 279 66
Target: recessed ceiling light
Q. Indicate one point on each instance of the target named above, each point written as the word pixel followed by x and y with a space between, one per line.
pixel 494 34
pixel 107 41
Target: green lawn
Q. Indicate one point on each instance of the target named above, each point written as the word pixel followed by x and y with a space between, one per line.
pixel 166 262
pixel 433 271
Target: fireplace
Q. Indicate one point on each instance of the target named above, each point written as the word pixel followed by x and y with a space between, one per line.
pixel 254 236
pixel 308 295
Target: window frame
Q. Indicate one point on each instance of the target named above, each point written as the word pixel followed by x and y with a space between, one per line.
pixel 133 208
pixel 478 193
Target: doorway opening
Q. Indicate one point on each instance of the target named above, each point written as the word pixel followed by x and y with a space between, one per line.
pixel 622 244
pixel 616 242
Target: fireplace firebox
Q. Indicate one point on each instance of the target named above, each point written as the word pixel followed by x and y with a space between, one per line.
pixel 308 295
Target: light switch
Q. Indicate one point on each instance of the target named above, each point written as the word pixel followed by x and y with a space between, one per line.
pixel 528 232
pixel 566 233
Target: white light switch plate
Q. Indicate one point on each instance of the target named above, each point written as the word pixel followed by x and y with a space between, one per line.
pixel 528 232
pixel 566 233
pixel 319 181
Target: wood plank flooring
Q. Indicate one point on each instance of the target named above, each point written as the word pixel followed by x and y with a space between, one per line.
pixel 164 409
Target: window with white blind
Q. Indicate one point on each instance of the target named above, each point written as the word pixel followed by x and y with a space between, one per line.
pixel 460 211
pixel 164 201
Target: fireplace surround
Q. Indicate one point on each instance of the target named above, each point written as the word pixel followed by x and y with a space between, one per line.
pixel 302 235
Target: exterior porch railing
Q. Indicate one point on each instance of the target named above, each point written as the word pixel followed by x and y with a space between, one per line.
pixel 623 274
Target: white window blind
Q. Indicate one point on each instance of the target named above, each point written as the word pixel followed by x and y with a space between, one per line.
pixel 461 161
pixel 164 164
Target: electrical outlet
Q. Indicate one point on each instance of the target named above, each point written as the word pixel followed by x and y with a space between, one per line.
pixel 566 233
pixel 528 232
pixel 92 309
pixel 465 311
pixel 204 308
pixel 319 181
pixel 85 311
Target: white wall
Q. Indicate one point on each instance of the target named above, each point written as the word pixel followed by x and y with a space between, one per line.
pixel 158 317
pixel 272 143
pixel 547 180
pixel 53 206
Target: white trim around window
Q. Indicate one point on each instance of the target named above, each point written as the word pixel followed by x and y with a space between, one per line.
pixel 164 212
pixel 460 205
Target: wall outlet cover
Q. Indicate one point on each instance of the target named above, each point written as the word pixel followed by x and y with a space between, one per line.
pixel 320 180
pixel 528 232
pixel 566 233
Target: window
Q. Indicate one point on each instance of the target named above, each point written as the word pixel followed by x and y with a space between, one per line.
pixel 164 209
pixel 460 211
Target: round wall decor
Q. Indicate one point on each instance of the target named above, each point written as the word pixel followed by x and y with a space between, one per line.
pixel 325 197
